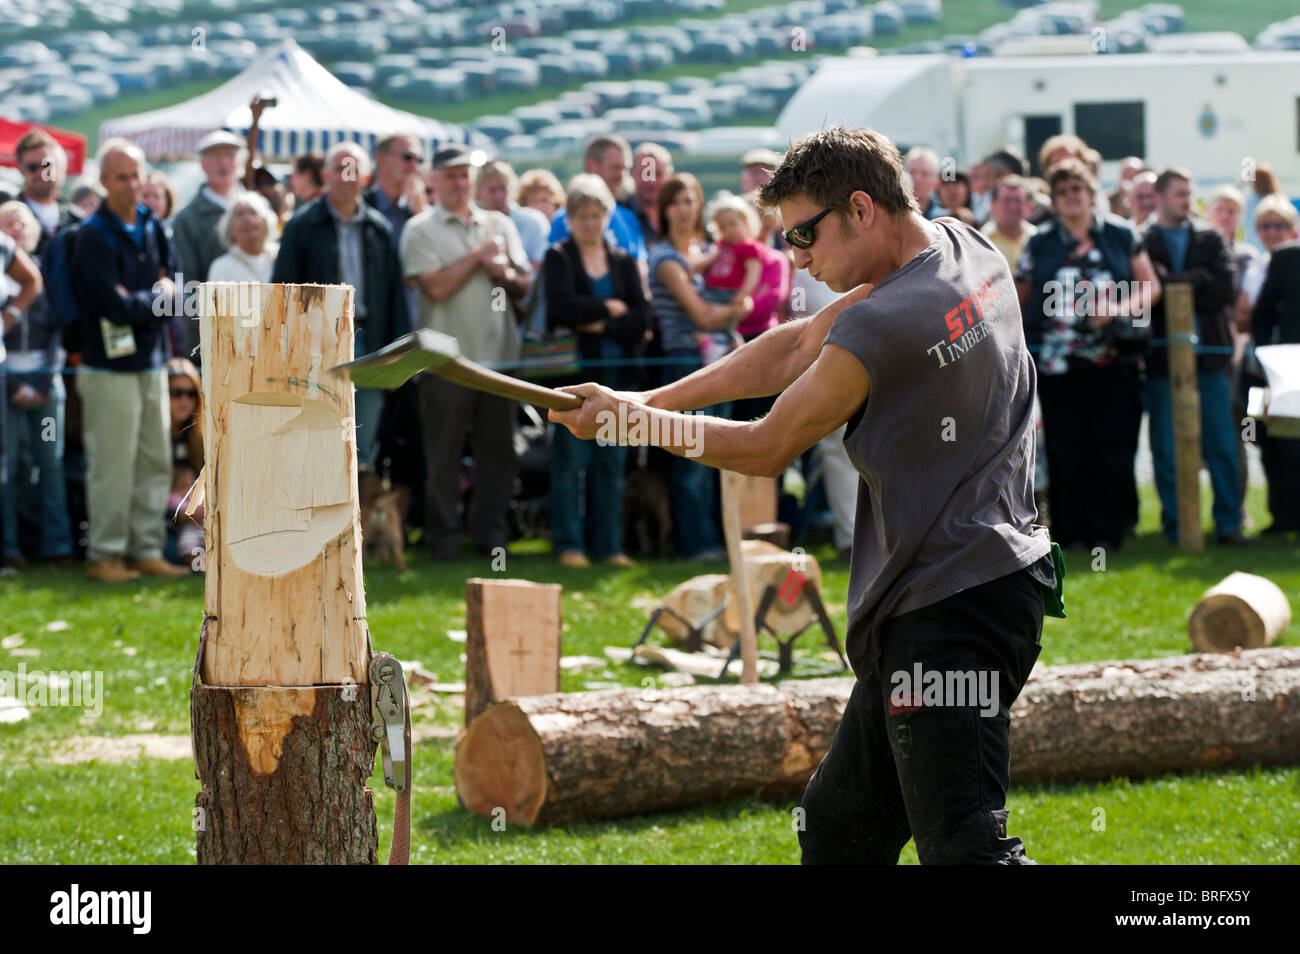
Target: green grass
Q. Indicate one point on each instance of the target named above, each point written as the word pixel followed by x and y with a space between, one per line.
pixel 143 637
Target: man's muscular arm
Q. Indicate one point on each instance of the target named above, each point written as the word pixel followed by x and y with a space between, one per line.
pixel 819 401
pixel 767 365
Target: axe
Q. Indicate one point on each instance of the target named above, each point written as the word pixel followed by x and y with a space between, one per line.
pixel 439 353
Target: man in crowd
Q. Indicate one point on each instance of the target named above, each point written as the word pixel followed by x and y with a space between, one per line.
pixel 756 168
pixel 222 155
pixel 922 166
pixel 1187 250
pixel 1006 227
pixel 652 165
pixel 470 268
pixel 494 191
pixel 609 157
pixel 397 191
pixel 122 266
pixel 1142 197
pixel 44 166
pixel 338 239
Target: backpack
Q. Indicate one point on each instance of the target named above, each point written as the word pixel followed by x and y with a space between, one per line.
pixel 56 269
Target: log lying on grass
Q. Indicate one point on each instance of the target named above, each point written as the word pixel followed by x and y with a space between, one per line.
pixel 562 757
pixel 1148 716
pixel 622 751
pixel 1241 610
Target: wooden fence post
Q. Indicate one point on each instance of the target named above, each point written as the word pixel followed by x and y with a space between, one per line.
pixel 1179 330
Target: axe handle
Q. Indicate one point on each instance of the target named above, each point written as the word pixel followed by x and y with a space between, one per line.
pixel 468 374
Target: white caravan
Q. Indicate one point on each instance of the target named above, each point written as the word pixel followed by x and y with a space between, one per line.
pixel 1218 114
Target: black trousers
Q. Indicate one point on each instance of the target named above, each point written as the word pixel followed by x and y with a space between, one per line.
pixel 904 764
pixel 1091 419
pixel 1280 458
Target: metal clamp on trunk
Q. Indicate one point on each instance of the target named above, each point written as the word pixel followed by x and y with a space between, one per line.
pixel 388 701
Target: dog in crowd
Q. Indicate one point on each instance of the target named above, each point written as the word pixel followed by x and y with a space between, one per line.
pixel 647 511
pixel 383 527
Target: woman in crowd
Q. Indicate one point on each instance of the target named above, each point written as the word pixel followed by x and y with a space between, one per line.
pixel 595 289
pixel 540 190
pixel 1077 325
pixel 955 196
pixel 31 355
pixel 1264 184
pixel 158 195
pixel 185 531
pixel 1271 289
pixel 248 230
pixel 679 311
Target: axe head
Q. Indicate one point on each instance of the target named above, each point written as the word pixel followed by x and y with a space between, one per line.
pixel 396 363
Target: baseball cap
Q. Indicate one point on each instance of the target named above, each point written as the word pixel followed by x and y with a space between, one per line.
pixel 219 137
pixel 761 157
pixel 457 155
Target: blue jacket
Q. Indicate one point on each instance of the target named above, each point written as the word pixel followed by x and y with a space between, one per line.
pixel 105 256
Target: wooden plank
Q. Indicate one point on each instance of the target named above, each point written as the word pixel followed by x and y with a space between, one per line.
pixel 512 645
pixel 758 501
pixel 1179 328
pixel 732 488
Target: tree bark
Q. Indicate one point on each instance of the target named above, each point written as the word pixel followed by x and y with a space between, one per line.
pixel 564 757
pixel 284 775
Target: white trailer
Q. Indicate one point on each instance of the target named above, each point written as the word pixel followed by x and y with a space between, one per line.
pixel 1218 114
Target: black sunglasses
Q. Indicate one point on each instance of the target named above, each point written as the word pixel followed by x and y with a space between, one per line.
pixel 180 393
pixel 33 166
pixel 805 233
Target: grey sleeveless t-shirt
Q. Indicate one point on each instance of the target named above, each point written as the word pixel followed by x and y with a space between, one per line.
pixel 945 442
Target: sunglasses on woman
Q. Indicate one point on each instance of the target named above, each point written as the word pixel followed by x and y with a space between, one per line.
pixel 805 233
pixel 181 393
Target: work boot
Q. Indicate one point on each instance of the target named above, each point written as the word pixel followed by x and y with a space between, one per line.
pixel 110 570
pixel 160 567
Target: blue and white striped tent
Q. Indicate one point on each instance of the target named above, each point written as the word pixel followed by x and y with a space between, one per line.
pixel 314 111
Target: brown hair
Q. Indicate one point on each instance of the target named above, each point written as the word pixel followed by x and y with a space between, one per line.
pixel 159 178
pixel 1068 169
pixel 673 187
pixel 1076 146
pixel 192 429
pixel 1265 180
pixel 1170 175
pixel 35 139
pixel 540 180
pixel 831 164
pixel 312 163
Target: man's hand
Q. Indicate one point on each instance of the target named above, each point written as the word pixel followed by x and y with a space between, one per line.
pixel 27 396
pixel 598 403
pixel 591 328
pixel 616 307
pixel 164 286
pixel 416 200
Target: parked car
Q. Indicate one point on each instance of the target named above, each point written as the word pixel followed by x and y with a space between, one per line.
pixel 355 74
pixel 537 116
pixel 887 18
pixel 517 73
pixel 693 111
pixel 498 128
pixel 921 11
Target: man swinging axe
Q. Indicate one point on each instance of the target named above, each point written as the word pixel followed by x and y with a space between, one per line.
pixel 925 360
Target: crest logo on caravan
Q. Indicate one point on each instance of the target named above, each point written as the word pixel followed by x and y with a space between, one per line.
pixel 103 907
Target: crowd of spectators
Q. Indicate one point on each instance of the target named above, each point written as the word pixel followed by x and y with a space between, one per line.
pixel 628 275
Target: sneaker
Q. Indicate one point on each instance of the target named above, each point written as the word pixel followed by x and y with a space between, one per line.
pixel 161 568
pixel 716 555
pixel 16 562
pixel 573 558
pixel 111 570
pixel 1234 539
pixel 619 559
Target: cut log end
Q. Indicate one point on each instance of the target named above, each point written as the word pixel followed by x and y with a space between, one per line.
pixel 500 765
pixel 1241 610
